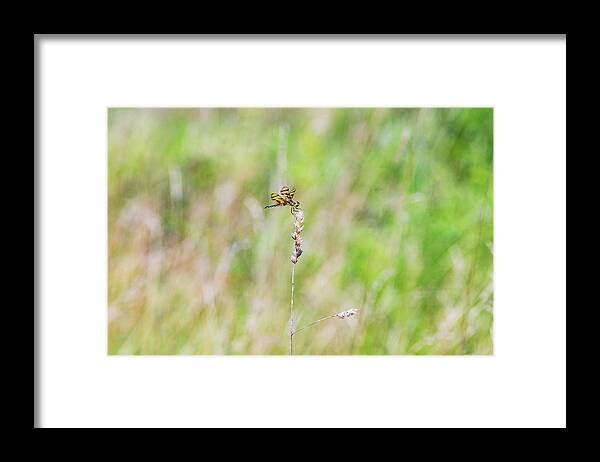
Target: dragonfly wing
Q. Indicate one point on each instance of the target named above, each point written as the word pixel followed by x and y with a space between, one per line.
pixel 287 195
pixel 277 198
pixel 284 192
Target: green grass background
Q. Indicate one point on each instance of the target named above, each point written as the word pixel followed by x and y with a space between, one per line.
pixel 398 223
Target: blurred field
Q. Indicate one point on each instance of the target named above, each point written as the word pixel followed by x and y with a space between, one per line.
pixel 398 223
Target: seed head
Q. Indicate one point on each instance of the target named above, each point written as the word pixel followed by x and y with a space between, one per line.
pixel 298 227
pixel 346 314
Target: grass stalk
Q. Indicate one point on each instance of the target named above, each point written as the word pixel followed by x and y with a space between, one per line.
pixel 340 315
pixel 296 252
pixel 292 312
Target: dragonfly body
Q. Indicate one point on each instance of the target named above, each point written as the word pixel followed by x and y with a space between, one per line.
pixel 283 198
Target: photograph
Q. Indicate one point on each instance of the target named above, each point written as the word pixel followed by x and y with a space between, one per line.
pixel 300 231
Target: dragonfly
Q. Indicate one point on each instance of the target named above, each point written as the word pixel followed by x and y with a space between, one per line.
pixel 283 198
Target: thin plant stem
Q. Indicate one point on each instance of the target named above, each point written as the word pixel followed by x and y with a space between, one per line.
pixel 341 315
pixel 292 311
pixel 312 324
